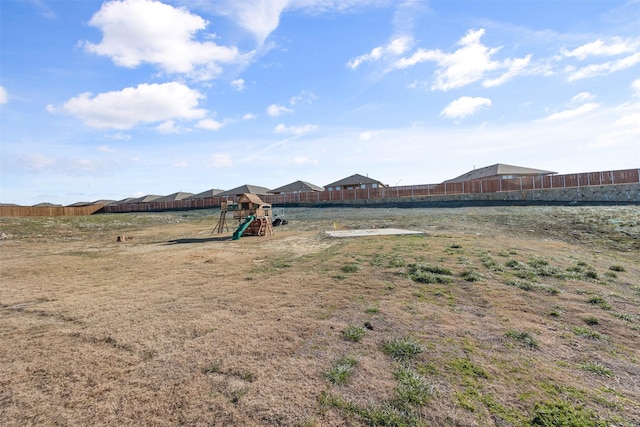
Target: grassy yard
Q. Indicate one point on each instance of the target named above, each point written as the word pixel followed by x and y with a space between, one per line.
pixel 493 317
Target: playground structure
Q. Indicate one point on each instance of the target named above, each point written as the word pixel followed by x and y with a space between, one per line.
pixel 253 215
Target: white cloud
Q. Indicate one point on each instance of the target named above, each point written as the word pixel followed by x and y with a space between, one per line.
pixel 220 161
pixel 210 124
pixel 468 64
pixel 119 136
pixel 394 48
pixel 635 86
pixel 249 116
pixel 295 130
pixel 106 149
pixel 3 95
pixel 582 96
pixel 262 17
pixel 465 106
pixel 572 113
pixel 275 110
pixel 138 31
pixel 36 162
pixel 604 68
pixel 169 127
pixel 629 120
pixel 599 47
pixel 515 68
pixel 259 17
pixel 306 96
pixel 146 103
pixel 238 84
pixel 181 164
pixel 365 136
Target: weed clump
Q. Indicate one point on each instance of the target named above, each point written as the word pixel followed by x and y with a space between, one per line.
pixel 587 333
pixel 411 389
pixel 591 320
pixel 600 302
pixel 402 349
pixel 563 414
pixel 353 333
pixel 341 370
pixel 524 338
pixel 350 268
pixel 424 273
pixel 471 276
pixel 597 368
pixel 617 268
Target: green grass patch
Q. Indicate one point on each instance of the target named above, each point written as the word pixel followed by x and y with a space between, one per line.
pixel 466 368
pixel 587 333
pixel 402 349
pixel 353 333
pixel 341 370
pixel 524 338
pixel 600 302
pixel 412 389
pixel 564 414
pixel 596 368
pixel 350 268
pixel 425 273
pixel 591 320
pixel 471 276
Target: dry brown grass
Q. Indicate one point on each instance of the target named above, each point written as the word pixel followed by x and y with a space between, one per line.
pixel 177 327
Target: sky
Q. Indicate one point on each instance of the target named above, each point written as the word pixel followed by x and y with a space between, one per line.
pixel 124 98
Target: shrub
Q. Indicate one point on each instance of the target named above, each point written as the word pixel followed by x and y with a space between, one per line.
pixel 618 268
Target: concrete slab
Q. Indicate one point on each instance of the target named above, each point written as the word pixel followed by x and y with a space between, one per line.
pixel 371 232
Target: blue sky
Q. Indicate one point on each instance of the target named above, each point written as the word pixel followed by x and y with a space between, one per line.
pixel 106 100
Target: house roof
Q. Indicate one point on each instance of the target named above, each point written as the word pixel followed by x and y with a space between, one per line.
pixel 238 191
pixel 356 179
pixel 499 169
pixel 47 205
pixel 175 196
pixel 209 193
pixel 298 186
pixel 253 198
pixel 143 199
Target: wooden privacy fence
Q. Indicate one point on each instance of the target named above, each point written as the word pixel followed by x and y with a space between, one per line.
pixel 629 176
pixel 49 210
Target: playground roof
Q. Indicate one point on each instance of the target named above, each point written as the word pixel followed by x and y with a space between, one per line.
pixel 497 170
pixel 296 187
pixel 355 179
pixel 253 198
pixel 238 191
